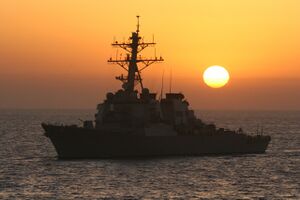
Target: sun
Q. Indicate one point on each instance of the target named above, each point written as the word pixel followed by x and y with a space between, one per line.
pixel 216 76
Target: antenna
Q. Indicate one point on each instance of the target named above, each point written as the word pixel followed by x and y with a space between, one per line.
pixel 162 85
pixel 138 24
pixel 170 84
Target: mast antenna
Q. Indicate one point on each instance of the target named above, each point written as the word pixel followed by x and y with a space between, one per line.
pixel 170 89
pixel 133 63
pixel 138 24
pixel 162 85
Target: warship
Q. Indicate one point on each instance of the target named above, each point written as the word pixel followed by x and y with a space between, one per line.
pixel 135 122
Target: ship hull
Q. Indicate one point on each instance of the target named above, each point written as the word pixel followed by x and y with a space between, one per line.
pixel 92 143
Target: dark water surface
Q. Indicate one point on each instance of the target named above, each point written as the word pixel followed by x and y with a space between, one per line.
pixel 29 168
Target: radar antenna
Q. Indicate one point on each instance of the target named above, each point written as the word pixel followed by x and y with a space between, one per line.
pixel 130 62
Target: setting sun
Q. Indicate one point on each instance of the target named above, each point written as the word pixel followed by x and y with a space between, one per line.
pixel 216 76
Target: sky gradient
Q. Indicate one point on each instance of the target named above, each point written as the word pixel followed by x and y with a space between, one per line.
pixel 53 53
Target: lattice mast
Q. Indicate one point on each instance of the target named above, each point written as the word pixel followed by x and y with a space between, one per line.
pixel 130 62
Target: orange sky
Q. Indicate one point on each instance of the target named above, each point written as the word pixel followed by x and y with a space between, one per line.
pixel 53 53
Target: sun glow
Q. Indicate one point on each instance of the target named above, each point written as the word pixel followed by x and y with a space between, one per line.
pixel 216 76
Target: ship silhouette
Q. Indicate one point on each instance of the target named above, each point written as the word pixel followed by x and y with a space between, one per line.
pixel 129 123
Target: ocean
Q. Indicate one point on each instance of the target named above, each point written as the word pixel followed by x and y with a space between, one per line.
pixel 29 168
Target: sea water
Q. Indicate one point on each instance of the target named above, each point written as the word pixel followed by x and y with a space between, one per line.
pixel 29 168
